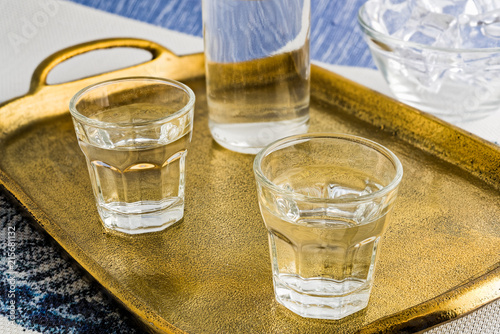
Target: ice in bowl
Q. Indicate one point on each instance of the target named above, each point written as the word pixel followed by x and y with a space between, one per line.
pixel 440 56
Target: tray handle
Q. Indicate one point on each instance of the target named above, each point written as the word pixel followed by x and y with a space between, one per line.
pixel 39 77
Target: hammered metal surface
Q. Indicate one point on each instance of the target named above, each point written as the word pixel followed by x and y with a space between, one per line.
pixel 211 272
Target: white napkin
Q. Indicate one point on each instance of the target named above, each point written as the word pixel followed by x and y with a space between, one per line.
pixel 31 30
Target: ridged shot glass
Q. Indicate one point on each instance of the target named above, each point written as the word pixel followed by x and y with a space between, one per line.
pixel 134 133
pixel 325 200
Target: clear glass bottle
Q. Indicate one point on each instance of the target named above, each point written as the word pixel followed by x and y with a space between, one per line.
pixel 257 70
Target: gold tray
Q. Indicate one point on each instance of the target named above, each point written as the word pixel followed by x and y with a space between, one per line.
pixel 211 273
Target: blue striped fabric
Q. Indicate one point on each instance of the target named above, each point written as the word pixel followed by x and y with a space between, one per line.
pixel 335 36
pixel 50 295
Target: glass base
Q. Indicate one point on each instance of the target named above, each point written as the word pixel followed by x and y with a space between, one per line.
pixel 141 217
pixel 321 298
pixel 250 138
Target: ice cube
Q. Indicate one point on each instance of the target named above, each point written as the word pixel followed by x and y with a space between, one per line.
pixel 493 31
pixel 287 208
pixel 336 191
pixel 424 67
pixel 387 16
pixel 449 35
pixel 490 23
pixel 484 6
pixel 438 22
pixel 480 31
pixel 394 21
pixel 395 13
pixel 429 28
pixel 450 7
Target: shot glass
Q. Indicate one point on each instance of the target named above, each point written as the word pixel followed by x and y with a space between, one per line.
pixel 257 70
pixel 134 133
pixel 325 199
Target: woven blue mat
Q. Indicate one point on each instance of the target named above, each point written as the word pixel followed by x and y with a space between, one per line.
pixel 50 295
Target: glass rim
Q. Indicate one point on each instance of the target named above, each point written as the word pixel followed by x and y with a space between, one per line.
pixel 380 36
pixel 101 124
pixel 287 141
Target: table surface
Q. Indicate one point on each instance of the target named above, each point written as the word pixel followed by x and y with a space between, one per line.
pixel 53 297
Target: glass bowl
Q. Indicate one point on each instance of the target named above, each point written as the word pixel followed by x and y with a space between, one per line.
pixel 455 84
